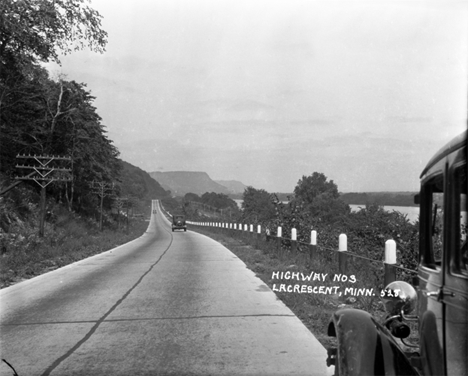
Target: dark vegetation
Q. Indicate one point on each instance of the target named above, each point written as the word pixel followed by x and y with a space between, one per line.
pixel 69 236
pixel 45 116
pixel 209 205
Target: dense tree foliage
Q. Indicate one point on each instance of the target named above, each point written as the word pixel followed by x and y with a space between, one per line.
pixel 320 197
pixel 192 197
pixel 258 205
pixel 39 30
pixel 310 187
pixel 218 200
pixel 215 200
pixel 44 116
pixel 209 205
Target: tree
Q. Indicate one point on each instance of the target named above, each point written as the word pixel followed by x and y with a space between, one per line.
pixel 34 31
pixel 218 200
pixel 320 197
pixel 192 197
pixel 258 205
pixel 38 30
pixel 309 187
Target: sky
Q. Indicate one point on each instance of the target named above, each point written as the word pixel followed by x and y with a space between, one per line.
pixel 268 91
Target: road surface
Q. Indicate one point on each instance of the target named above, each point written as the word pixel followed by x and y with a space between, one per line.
pixel 165 304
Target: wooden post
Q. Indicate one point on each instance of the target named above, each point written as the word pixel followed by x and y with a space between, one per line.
pixel 293 240
pixel 278 239
pixel 313 243
pixel 342 256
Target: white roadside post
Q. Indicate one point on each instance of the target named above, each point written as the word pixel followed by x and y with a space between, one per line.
pixel 293 240
pixel 313 243
pixel 390 262
pixel 342 256
pixel 279 234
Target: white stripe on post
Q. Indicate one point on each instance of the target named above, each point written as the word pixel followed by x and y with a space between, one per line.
pixel 390 252
pixel 259 229
pixel 293 234
pixel 251 228
pixel 343 243
pixel 280 232
pixel 313 237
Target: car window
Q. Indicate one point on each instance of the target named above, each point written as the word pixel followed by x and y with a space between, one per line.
pixel 435 215
pixel 461 183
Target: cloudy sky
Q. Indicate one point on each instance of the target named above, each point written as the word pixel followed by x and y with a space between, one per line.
pixel 266 91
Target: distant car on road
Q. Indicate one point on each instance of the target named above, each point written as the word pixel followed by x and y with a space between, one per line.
pixel 178 222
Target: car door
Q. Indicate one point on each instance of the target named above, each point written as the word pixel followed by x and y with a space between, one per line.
pixel 454 294
pixel 431 276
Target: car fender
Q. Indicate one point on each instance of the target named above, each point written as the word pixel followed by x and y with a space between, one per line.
pixel 365 347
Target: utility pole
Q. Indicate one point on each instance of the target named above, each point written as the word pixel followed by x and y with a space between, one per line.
pixel 120 203
pixel 102 189
pixel 44 172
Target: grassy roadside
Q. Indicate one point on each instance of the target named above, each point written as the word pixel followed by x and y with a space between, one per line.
pixel 68 240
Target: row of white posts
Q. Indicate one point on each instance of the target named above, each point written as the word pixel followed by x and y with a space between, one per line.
pixel 390 245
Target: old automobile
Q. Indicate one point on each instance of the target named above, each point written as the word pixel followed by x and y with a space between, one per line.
pixel 178 222
pixel 438 301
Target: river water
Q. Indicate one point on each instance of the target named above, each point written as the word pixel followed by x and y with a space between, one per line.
pixel 412 212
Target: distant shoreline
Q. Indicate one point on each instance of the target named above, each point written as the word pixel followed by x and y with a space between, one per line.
pixel 362 198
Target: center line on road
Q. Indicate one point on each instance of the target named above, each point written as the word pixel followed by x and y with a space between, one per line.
pixel 102 319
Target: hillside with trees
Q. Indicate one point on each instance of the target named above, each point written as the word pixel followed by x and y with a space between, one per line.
pixel 182 182
pixel 51 117
pixel 137 183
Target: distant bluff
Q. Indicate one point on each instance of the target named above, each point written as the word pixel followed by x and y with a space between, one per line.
pixel 182 182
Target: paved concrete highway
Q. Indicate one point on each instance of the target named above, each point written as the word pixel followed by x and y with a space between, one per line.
pixel 165 304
